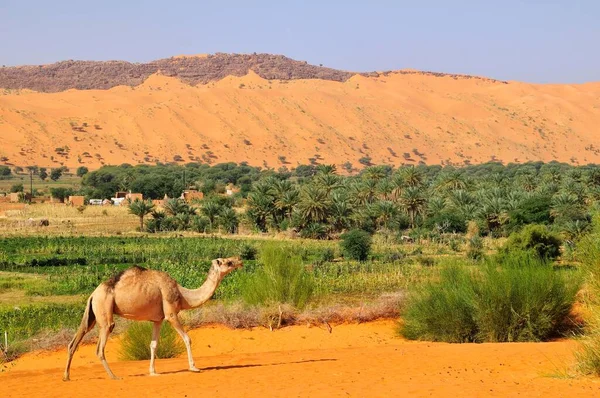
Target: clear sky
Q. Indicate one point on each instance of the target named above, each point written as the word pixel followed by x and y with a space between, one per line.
pixel 548 41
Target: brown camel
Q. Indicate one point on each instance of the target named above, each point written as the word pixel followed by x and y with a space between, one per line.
pixel 145 295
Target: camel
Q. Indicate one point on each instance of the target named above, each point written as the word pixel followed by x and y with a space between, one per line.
pixel 145 295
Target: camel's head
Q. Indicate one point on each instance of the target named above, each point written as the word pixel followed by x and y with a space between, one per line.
pixel 225 265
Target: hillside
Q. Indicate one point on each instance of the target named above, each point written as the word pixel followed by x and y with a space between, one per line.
pixel 271 110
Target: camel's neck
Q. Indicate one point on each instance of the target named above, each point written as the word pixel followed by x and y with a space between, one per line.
pixel 196 297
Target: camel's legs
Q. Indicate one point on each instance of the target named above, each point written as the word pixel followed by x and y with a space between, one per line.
pixel 174 321
pixel 153 345
pixel 102 338
pixel 73 347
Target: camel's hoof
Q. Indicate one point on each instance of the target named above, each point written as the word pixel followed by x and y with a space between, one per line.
pixel 154 374
pixel 115 378
pixel 195 369
pixel 66 379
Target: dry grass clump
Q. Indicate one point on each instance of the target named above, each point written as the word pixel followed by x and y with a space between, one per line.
pixel 67 220
pixel 239 316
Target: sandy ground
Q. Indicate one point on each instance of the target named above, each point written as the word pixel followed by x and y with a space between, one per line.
pixel 394 119
pixel 354 360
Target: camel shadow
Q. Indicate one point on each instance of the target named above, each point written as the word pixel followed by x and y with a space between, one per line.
pixel 252 365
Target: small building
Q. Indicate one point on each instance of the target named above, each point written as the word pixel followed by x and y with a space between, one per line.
pixel 231 190
pixel 76 200
pixel 120 194
pixel 95 202
pixel 16 197
pixel 191 195
pixel 134 196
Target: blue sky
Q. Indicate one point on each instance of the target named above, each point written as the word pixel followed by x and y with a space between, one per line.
pixel 534 41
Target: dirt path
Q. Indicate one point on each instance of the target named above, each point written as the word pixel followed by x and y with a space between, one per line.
pixel 354 360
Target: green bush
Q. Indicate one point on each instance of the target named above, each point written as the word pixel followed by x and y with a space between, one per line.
pixel 522 299
pixel 525 299
pixel 248 252
pixel 475 248
pixel 356 244
pixel 135 344
pixel 588 252
pixel 443 310
pixel 535 238
pixel 281 279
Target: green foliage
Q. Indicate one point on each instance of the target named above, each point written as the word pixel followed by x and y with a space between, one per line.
pixel 26 321
pixel 475 248
pixel 135 344
pixel 55 174
pixel 141 208
pixel 535 238
pixel 588 252
pixel 281 279
pixel 43 173
pixel 17 187
pixel 356 244
pixel 522 299
pixel 534 210
pixel 443 310
pixel 61 193
pixel 81 171
pixel 248 252
pixel 525 299
pixel 5 171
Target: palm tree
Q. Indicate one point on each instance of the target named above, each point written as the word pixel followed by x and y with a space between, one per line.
pixel 563 204
pixel 375 172
pixel 287 201
pixel 141 209
pixel 436 205
pixel 413 201
pixel 328 182
pixel 451 181
pixel 176 206
pixel 412 176
pixel 260 208
pixel 229 220
pixel 493 211
pixel 340 210
pixel 326 169
pixel 385 211
pixel 385 188
pixel 314 204
pixel 529 182
pixel 363 192
pixel 211 210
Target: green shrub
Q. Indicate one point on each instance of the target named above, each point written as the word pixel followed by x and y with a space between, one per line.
pixel 443 310
pixel 135 344
pixel 588 252
pixel 327 255
pixel 248 252
pixel 535 238
pixel 356 244
pixel 522 299
pixel 281 279
pixel 525 299
pixel 475 248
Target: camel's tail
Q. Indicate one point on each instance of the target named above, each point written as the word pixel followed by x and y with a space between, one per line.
pixel 89 318
pixel 87 323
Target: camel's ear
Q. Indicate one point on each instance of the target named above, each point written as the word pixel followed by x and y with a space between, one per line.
pixel 219 261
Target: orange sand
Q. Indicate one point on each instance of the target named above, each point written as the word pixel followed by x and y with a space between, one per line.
pixel 354 360
pixel 387 118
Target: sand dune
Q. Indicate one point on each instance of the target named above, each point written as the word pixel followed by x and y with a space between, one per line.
pixel 354 360
pixel 396 118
